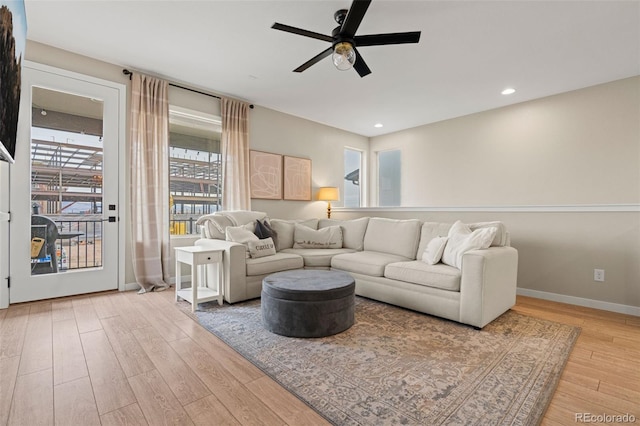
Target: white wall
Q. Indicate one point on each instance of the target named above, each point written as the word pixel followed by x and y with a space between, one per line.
pixel 578 148
pixel 270 131
pixel 280 133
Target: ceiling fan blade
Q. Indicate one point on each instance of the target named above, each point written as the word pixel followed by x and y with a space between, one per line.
pixel 360 65
pixel 390 38
pixel 354 17
pixel 300 31
pixel 314 60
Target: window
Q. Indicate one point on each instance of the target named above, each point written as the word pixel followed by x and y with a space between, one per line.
pixel 352 187
pixel 195 168
pixel 389 178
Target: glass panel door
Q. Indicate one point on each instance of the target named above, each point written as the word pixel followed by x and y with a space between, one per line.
pixel 65 187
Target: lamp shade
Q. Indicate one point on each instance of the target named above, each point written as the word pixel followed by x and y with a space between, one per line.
pixel 328 193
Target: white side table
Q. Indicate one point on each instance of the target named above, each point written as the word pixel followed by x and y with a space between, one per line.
pixel 198 257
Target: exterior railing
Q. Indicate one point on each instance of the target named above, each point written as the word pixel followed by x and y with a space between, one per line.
pixel 79 243
pixel 183 226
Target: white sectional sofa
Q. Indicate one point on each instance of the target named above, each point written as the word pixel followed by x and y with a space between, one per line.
pixel 385 258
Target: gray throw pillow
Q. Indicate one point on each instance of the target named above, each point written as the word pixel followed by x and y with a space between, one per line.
pixel 264 230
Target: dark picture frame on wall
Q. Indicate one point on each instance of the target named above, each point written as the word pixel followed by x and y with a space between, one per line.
pixel 297 178
pixel 13 38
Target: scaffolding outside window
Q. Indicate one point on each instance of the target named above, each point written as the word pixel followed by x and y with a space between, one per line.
pixel 67 154
pixel 195 168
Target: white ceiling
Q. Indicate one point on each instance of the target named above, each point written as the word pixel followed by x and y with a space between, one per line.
pixel 469 51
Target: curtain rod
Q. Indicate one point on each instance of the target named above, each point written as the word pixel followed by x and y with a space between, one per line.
pixel 129 73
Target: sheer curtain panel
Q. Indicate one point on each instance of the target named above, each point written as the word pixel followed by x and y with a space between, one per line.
pixel 150 182
pixel 235 155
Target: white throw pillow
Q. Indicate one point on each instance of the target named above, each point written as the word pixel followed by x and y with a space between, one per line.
pixel 285 230
pixel 433 253
pixel 241 234
pixel 261 248
pixel 501 238
pixel 325 238
pixel 462 239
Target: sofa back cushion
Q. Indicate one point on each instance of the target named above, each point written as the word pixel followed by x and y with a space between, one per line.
pixel 398 237
pixel 286 228
pixel 242 217
pixel 352 231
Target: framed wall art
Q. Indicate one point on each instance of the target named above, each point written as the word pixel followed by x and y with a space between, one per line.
pixel 265 175
pixel 297 178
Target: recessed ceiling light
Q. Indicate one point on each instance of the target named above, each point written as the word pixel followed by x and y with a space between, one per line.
pixel 509 91
pixel 378 125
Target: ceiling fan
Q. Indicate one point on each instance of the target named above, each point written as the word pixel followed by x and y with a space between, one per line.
pixel 344 40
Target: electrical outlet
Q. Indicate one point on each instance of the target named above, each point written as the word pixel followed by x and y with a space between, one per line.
pixel 598 275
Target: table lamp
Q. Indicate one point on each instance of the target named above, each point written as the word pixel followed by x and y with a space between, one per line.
pixel 329 194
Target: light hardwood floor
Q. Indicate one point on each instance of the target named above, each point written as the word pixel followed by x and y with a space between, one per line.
pixel 124 359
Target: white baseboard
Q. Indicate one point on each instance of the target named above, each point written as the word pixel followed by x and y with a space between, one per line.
pixel 131 286
pixel 579 301
pixel 134 286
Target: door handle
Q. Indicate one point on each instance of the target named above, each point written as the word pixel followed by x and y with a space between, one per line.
pixel 110 219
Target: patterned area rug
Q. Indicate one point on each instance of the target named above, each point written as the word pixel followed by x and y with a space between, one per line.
pixel 398 367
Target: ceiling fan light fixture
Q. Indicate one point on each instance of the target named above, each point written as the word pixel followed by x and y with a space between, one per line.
pixel 344 56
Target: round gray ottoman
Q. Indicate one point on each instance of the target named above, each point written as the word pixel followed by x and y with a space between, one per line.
pixel 308 302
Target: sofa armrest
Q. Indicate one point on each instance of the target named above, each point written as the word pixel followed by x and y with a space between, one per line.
pixel 233 265
pixel 488 284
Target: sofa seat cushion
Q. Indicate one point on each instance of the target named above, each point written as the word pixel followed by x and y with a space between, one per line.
pixel 276 263
pixel 317 257
pixel 416 272
pixel 370 263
